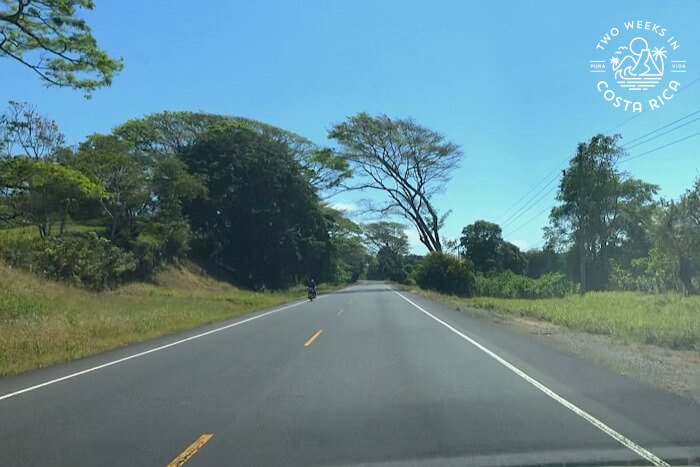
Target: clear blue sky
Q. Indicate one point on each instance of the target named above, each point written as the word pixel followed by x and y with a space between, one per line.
pixel 508 81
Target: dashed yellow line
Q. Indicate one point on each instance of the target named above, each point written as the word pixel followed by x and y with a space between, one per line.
pixel 313 338
pixel 340 312
pixel 191 450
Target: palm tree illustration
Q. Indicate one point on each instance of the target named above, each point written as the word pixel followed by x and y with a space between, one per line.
pixel 659 54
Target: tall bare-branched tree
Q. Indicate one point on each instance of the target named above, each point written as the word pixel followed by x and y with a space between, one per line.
pixel 24 131
pixel 406 161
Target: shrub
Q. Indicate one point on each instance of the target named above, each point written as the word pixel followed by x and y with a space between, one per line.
pixel 409 282
pixel 509 285
pixel 653 274
pixel 82 258
pixel 446 273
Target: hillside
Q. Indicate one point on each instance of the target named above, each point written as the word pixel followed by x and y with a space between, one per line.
pixel 44 322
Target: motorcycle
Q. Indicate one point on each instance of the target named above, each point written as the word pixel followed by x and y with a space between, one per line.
pixel 312 293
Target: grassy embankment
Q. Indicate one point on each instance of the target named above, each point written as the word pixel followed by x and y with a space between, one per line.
pixel 44 322
pixel 667 320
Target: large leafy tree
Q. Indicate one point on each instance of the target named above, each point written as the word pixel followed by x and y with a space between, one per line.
pixel 679 237
pixel 387 235
pixel 169 133
pixel 42 192
pixel 141 190
pixel 542 261
pixel 106 159
pixel 405 161
pixel 390 244
pixel 599 210
pixel 262 219
pixel 483 244
pixel 50 38
pixel 348 253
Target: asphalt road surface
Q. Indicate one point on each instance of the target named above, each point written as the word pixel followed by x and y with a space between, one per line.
pixel 364 376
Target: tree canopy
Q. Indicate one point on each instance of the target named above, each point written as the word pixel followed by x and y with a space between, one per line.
pixel 599 209
pixel 407 162
pixel 50 38
pixel 488 252
pixel 261 219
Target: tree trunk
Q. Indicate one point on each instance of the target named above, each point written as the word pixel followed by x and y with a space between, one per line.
pixel 686 276
pixel 582 264
pixel 63 221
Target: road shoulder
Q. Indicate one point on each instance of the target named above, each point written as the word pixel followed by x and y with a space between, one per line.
pixel 676 371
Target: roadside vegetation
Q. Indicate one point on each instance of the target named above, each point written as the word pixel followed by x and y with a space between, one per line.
pixel 89 231
pixel 667 320
pixel 43 322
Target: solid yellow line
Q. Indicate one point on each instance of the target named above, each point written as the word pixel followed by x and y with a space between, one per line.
pixel 308 343
pixel 191 450
pixel 340 312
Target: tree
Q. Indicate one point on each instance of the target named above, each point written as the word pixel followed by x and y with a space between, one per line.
pixel 35 134
pixel 389 235
pixel 169 133
pixel 484 246
pixel 142 192
pixel 510 258
pixel 446 273
pixel 541 262
pixel 106 159
pixel 348 255
pixel 481 241
pixel 51 39
pixel 406 161
pixel 679 235
pixel 390 245
pixel 261 220
pixel 42 192
pixel 598 205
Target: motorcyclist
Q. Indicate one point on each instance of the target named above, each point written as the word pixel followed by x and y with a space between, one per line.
pixel 312 286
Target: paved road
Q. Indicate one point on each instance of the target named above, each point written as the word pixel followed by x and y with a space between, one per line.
pixel 392 379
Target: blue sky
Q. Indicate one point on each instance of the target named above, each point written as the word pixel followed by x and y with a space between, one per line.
pixel 508 81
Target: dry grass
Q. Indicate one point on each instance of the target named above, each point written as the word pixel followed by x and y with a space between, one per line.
pixel 44 322
pixel 668 320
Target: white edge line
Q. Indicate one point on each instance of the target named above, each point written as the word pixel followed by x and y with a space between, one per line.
pixel 580 412
pixel 146 352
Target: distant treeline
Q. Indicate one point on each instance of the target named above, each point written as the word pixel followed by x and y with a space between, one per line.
pixel 250 199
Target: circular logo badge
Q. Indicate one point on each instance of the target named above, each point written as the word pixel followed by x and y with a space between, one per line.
pixel 637 66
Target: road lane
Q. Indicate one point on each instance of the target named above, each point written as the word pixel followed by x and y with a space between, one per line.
pixel 382 383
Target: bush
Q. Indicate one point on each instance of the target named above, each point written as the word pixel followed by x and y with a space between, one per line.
pixel 509 285
pixel 447 274
pixel 653 274
pixel 409 282
pixel 82 258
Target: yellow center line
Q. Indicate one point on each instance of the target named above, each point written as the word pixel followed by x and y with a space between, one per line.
pixel 308 343
pixel 191 450
pixel 340 312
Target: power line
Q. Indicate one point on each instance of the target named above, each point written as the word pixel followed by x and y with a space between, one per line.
pixel 530 220
pixel 511 232
pixel 641 113
pixel 661 128
pixel 660 147
pixel 619 125
pixel 661 134
pixel 539 244
pixel 530 203
pixel 505 213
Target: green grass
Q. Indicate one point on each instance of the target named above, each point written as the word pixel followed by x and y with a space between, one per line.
pixel 44 322
pixel 28 232
pixel 667 320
